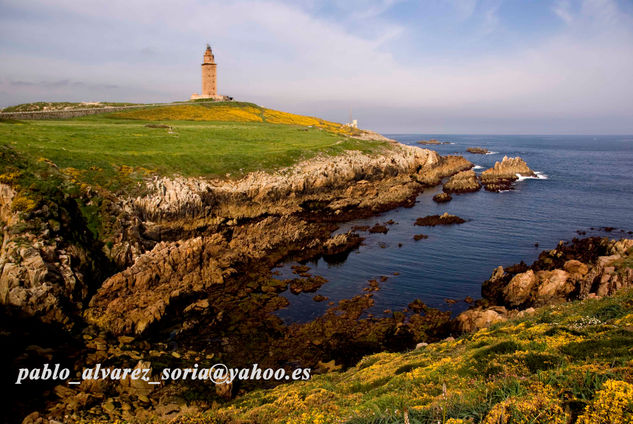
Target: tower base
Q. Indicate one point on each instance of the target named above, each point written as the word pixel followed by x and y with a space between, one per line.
pixel 196 96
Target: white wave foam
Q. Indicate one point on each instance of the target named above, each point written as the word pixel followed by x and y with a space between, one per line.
pixel 539 176
pixel 478 167
pixel 492 153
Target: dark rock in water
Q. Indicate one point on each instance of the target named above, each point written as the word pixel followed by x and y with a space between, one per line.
pixel 469 300
pixel 300 269
pixel 306 285
pixel 450 301
pixel 417 237
pixel 477 150
pixel 379 228
pixel 383 278
pixel 462 182
pixel 503 174
pixel 320 298
pixel 360 228
pixel 417 306
pixel 442 198
pixel 444 219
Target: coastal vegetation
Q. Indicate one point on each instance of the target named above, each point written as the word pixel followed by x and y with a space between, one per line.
pixel 565 363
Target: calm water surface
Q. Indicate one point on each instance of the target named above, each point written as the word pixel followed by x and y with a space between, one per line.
pixel 589 183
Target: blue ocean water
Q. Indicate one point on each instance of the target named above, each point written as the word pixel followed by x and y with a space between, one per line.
pixel 589 183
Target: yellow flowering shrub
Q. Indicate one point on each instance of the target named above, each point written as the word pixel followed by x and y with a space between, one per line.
pixel 539 406
pixel 21 203
pixel 612 404
pixel 228 113
pixel 9 177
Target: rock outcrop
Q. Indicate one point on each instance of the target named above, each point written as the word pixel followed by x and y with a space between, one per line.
pixel 445 166
pixel 591 267
pixel 478 150
pixel 504 173
pixel 442 198
pixel 444 219
pixel 462 182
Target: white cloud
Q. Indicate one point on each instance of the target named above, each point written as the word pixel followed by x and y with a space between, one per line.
pixel 562 8
pixel 286 57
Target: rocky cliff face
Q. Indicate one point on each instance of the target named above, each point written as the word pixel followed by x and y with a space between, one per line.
pixel 187 234
pixel 258 219
pixel 49 264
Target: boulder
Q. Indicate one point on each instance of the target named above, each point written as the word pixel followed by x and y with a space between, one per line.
pixel 576 268
pixel 475 319
pixel 552 286
pixel 518 290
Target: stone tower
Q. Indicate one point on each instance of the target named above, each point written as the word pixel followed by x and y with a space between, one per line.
pixel 209 78
pixel 209 74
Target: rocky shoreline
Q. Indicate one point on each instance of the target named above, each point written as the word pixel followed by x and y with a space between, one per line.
pixel 583 268
pixel 189 261
pixel 183 274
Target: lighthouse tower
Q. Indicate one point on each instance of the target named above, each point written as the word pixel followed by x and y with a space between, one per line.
pixel 209 78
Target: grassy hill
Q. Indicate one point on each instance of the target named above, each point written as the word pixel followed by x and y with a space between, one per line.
pixel 193 139
pixel 567 363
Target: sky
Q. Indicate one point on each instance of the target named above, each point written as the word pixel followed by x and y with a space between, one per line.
pixel 397 66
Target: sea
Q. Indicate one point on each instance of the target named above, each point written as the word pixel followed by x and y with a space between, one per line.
pixel 584 187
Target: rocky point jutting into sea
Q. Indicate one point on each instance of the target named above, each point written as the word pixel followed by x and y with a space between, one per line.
pixel 185 275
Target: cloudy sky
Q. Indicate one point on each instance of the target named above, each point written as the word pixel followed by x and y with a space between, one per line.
pixel 432 66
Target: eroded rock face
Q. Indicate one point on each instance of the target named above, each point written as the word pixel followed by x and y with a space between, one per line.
pixel 504 173
pixel 444 167
pixel 309 184
pixel 462 182
pixel 42 272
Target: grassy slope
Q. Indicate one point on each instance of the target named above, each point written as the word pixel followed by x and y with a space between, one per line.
pixel 205 140
pixel 564 361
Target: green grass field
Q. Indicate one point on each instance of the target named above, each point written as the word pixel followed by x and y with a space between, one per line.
pixel 99 148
